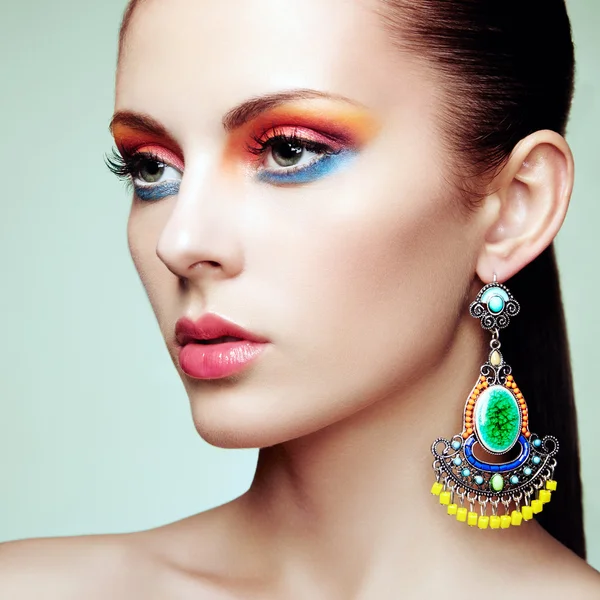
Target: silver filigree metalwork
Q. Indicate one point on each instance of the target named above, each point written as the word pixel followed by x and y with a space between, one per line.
pixel 491 320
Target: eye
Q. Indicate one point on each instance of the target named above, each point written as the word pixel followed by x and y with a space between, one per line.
pixel 294 157
pixel 152 178
pixel 151 171
pixel 286 154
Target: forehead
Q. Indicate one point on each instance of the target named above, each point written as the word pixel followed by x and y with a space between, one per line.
pixel 192 60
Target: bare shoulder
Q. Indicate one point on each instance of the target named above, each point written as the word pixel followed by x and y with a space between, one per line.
pixel 179 560
pixel 557 572
pixel 575 578
pixel 94 567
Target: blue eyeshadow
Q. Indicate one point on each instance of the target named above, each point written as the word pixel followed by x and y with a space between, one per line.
pixel 320 168
pixel 157 192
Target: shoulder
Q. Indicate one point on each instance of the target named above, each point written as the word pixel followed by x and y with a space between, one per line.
pixel 572 578
pixel 175 560
pixel 554 571
pixel 90 567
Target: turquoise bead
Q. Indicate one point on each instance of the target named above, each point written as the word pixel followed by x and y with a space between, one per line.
pixel 537 460
pixel 527 471
pixel 497 419
pixel 494 291
pixel 466 472
pixel 496 304
pixel 478 479
pixel 458 461
pixel 456 444
pixel 514 480
pixel 537 443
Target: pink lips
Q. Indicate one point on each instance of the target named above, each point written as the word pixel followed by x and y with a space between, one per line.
pixel 204 356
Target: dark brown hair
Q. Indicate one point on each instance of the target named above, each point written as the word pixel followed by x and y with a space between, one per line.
pixel 506 69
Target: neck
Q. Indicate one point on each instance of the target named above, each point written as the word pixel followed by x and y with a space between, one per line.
pixel 358 491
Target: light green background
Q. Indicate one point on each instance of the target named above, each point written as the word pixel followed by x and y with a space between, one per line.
pixel 95 429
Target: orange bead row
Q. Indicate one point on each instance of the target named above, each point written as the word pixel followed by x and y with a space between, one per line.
pixel 510 383
pixel 471 405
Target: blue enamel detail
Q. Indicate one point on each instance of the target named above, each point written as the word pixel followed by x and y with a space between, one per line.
pixel 501 468
pixel 494 291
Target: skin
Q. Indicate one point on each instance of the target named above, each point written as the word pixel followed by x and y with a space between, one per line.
pixel 361 280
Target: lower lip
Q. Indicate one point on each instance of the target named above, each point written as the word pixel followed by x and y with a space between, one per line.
pixel 214 361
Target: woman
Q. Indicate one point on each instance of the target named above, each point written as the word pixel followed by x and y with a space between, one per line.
pixel 355 173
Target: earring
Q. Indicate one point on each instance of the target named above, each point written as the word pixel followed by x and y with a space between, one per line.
pixel 495 420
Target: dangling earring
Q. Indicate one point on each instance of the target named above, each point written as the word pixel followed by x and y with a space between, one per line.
pixel 495 420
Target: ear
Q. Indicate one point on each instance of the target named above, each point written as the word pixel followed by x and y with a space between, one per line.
pixel 528 206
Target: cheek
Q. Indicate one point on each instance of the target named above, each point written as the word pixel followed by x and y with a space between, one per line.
pixel 139 242
pixel 395 268
pixel 376 286
pixel 143 229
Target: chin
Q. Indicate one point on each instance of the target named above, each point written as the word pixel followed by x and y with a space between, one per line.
pixel 227 418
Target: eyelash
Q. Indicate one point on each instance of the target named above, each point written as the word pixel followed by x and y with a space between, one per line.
pixel 278 137
pixel 127 165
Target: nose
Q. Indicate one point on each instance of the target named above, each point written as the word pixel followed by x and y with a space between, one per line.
pixel 201 238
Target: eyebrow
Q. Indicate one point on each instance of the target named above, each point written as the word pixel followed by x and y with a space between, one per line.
pixel 250 109
pixel 234 118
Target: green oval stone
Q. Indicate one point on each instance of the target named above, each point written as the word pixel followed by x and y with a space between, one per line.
pixel 497 419
pixel 497 482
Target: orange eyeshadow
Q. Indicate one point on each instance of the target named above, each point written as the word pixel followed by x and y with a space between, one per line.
pixel 129 140
pixel 329 121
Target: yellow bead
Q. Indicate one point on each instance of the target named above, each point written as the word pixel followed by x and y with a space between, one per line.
pixel 505 521
pixel 545 496
pixel 445 498
pixel 527 513
pixel 551 485
pixel 483 522
pixel 452 509
pixel 437 488
pixel 515 518
pixel 495 522
pixel 472 519
pixel 537 506
pixel 461 514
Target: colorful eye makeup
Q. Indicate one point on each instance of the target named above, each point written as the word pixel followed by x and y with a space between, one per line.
pixel 294 155
pixel 290 144
pixel 149 170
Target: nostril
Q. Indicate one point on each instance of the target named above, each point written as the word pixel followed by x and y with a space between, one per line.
pixel 206 263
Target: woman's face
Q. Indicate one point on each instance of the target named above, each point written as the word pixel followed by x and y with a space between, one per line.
pixel 319 219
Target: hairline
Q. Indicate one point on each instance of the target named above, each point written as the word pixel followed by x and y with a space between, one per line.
pixel 127 18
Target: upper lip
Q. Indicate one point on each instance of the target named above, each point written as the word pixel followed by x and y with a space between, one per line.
pixel 211 326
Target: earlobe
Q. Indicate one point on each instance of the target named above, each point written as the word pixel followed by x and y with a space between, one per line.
pixel 531 198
